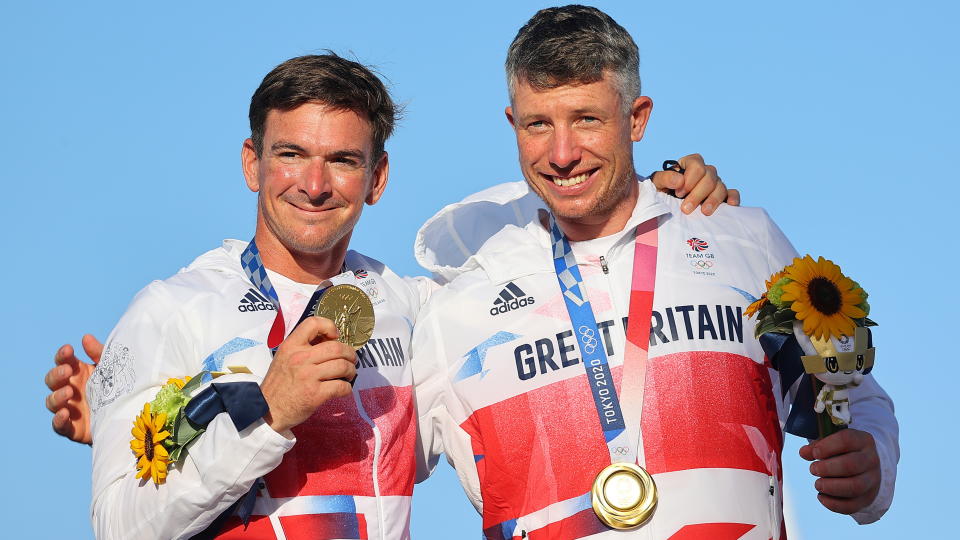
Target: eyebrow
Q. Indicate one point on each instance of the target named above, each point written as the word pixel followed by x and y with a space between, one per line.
pixel 349 152
pixel 588 110
pixel 344 153
pixel 284 145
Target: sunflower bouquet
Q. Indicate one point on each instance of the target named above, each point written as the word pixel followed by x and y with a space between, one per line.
pixel 825 314
pixel 154 445
pixel 166 426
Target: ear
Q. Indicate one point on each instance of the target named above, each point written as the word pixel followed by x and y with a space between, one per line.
pixel 509 112
pixel 380 174
pixel 249 161
pixel 639 115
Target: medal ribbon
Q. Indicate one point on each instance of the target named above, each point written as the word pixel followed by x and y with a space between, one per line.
pixel 257 274
pixel 619 415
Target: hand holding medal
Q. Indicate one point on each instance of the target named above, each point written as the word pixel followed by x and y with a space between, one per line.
pixel 318 356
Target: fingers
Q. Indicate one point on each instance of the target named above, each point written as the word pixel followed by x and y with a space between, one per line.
pixel 311 331
pixel 841 442
pixel 64 355
pixel 338 369
pixel 58 376
pixel 846 488
pixel 58 399
pixel 845 465
pixel 806 452
pixel 707 191
pixel 844 506
pixel 92 347
pixel 333 360
pixel 694 170
pixel 733 197
pixel 61 423
pixel 667 181
pixel 848 468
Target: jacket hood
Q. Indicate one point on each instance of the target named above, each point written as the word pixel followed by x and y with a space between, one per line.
pixel 448 243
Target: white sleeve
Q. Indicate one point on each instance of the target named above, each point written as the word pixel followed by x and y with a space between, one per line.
pixel 780 252
pixel 421 289
pixel 428 384
pixel 870 407
pixel 872 411
pixel 150 344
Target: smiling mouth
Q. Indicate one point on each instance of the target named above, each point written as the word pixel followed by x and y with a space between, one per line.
pixel 567 181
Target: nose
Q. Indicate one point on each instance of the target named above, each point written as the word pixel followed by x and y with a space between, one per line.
pixel 564 148
pixel 316 181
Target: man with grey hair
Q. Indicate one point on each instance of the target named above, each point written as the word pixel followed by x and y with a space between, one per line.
pixel 587 371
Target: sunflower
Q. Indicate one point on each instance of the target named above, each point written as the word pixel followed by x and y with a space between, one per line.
pixel 148 435
pixel 823 298
pixel 179 383
pixel 758 304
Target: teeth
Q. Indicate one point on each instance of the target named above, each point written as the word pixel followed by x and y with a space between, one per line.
pixel 572 181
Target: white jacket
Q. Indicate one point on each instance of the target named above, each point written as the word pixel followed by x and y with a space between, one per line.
pixel 501 389
pixel 349 472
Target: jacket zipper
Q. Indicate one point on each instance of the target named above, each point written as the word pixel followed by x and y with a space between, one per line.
pixel 603 265
pixel 377 442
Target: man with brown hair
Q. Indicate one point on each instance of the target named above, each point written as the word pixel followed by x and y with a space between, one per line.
pixel 315 158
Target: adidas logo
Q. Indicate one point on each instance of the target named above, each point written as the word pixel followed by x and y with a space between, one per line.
pixel 511 297
pixel 255 301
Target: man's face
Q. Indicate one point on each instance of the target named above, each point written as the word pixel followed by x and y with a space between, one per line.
pixel 576 147
pixel 314 175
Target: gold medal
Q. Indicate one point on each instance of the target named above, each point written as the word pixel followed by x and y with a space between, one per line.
pixel 624 495
pixel 350 310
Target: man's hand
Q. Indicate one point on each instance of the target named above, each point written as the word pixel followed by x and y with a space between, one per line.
pixel 67 382
pixel 310 368
pixel 848 467
pixel 698 185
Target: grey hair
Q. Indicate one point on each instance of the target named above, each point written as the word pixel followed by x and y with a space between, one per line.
pixel 573 45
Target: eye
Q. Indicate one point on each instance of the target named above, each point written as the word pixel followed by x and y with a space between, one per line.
pixel 859 362
pixel 346 161
pixel 537 126
pixel 589 119
pixel 288 156
pixel 831 364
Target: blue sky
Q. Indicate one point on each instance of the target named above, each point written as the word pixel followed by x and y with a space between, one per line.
pixel 121 163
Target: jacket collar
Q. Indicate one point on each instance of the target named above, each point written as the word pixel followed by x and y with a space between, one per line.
pixel 518 252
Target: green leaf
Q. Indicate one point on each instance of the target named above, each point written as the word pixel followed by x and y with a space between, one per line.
pixel 193 383
pixel 186 431
pixel 776 320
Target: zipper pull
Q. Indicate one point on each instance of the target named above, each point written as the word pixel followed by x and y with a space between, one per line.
pixel 603 264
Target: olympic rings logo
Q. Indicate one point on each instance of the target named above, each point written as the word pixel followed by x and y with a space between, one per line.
pixel 620 450
pixel 588 339
pixel 701 264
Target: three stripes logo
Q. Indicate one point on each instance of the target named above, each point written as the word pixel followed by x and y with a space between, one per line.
pixel 511 298
pixel 254 300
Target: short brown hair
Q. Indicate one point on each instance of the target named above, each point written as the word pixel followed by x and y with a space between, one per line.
pixel 330 80
pixel 573 45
